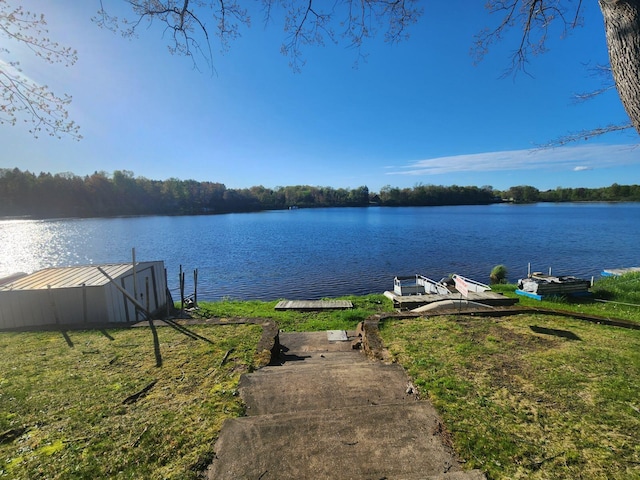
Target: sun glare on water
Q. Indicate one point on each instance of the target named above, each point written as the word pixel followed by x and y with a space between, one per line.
pixel 31 245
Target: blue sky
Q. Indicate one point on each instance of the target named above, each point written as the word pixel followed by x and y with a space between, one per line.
pixel 415 112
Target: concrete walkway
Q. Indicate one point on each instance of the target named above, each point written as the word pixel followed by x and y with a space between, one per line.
pixel 327 412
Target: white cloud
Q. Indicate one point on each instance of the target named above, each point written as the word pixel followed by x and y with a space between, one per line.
pixel 577 158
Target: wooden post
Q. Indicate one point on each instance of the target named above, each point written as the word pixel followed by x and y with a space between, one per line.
pixel 166 286
pixel 125 293
pixel 84 302
pixel 146 287
pixel 195 288
pixel 53 305
pixel 181 292
pixel 135 278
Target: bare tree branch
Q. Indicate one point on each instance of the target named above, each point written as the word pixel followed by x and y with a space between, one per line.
pixel 534 19
pixel 22 96
pixel 185 21
pixel 607 83
pixel 587 134
pixel 305 23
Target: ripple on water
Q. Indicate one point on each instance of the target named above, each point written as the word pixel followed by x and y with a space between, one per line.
pixel 310 254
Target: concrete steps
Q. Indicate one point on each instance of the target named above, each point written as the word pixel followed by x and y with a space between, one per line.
pixel 332 414
pixel 323 386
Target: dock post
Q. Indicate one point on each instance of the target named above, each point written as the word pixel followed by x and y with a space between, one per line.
pixel 146 289
pixel 135 278
pixel 84 303
pixel 181 292
pixel 195 288
pixel 167 295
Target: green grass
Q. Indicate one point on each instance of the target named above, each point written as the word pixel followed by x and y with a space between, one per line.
pixel 520 403
pixel 63 413
pixel 625 288
pixel 529 396
pixel 364 306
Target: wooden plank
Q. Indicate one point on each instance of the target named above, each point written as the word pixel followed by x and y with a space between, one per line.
pixel 311 305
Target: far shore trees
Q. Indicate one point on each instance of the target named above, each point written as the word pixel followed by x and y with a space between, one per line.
pixel 102 194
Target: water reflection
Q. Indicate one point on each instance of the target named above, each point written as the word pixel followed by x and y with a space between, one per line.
pixel 331 252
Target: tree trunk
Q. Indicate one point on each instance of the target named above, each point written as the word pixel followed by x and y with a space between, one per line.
pixel 622 27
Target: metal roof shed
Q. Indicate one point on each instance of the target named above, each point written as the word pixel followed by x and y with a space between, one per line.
pixel 82 295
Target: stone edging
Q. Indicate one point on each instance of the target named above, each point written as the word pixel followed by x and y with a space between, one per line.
pixel 372 343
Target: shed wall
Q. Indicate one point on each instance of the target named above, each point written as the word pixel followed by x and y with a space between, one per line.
pixel 80 305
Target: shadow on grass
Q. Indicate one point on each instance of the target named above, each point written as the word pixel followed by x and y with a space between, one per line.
pixel 556 333
pixel 184 330
pixel 106 334
pixel 67 338
pixel 176 326
pixel 156 344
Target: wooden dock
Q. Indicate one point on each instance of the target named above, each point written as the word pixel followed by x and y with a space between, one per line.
pixel 313 305
pixel 409 302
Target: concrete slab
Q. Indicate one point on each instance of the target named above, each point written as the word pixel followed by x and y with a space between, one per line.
pixel 354 443
pixel 313 342
pixel 337 336
pixel 328 412
pixel 324 386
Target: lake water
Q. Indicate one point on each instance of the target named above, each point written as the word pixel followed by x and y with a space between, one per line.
pixel 310 254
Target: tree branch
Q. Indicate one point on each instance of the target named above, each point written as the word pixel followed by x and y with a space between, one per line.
pixel 306 22
pixel 21 96
pixel 534 18
pixel 587 134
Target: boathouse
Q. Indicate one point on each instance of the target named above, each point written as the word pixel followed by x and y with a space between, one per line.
pixel 82 295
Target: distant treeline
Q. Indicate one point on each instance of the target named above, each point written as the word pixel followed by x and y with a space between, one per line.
pixel 120 193
pixel 613 193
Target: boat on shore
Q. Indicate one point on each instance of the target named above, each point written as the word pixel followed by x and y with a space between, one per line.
pixel 538 285
pixel 411 292
pixel 616 272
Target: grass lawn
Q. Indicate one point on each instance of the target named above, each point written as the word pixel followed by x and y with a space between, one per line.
pixel 68 408
pixel 64 412
pixel 526 396
pixel 364 306
pixel 529 396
